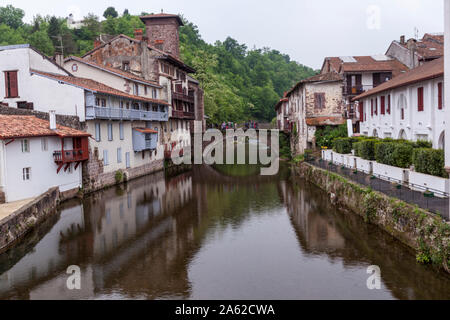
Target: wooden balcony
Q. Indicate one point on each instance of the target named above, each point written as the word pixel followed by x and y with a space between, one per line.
pixel 180 114
pixel 183 97
pixel 77 155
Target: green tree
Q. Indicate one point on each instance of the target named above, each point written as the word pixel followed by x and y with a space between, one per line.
pixel 11 16
pixel 110 12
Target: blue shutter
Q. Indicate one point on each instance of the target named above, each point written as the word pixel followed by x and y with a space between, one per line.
pixel 110 132
pixel 119 155
pixel 105 158
pixel 122 137
pixel 97 132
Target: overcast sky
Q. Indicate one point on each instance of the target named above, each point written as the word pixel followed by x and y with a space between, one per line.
pixel 307 30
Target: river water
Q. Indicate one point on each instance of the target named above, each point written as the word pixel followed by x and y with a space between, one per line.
pixel 213 233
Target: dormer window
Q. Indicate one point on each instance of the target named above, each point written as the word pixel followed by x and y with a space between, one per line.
pixel 126 66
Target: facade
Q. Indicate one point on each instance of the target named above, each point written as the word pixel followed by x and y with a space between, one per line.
pixel 282 115
pixel 36 155
pixel 360 74
pixel 413 53
pixel 155 57
pixel 313 103
pixel 410 106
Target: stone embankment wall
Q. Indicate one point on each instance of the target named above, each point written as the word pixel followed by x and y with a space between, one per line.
pixel 18 224
pixel 426 233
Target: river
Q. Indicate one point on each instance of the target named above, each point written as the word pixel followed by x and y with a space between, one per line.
pixel 213 233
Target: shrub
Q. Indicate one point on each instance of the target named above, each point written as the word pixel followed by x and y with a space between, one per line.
pixel 423 144
pixel 430 161
pixel 119 176
pixel 326 136
pixel 402 155
pixel 384 153
pixel 367 149
pixel 343 145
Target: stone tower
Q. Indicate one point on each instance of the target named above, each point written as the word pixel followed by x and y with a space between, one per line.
pixel 162 31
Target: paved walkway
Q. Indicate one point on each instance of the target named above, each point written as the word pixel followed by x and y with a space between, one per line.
pixel 436 205
pixel 8 208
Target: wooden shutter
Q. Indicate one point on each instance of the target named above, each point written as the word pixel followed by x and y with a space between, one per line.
pixel 389 104
pixel 14 90
pixel 383 105
pixel 440 104
pixel 361 111
pixel 420 99
pixel 371 107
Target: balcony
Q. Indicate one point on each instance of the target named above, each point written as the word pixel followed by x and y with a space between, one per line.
pixel 69 156
pixel 180 114
pixel 356 90
pixel 183 97
pixel 107 113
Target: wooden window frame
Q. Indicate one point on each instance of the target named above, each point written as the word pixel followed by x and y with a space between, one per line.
pixel 440 96
pixel 420 100
pixel 9 93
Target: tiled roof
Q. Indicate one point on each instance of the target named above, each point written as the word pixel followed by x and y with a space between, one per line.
pixel 368 63
pixel 162 16
pixel 431 46
pixel 12 126
pixel 280 103
pixel 121 73
pixel 323 77
pixel 95 86
pixel 325 121
pixel 429 70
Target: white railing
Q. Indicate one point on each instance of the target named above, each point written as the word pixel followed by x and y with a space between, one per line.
pixel 124 114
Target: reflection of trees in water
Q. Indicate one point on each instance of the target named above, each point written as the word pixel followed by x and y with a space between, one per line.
pixel 324 230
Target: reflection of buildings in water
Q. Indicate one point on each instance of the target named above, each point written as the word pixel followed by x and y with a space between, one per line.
pixel 48 256
pixel 317 229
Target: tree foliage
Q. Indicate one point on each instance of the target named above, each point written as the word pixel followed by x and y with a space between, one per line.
pixel 239 83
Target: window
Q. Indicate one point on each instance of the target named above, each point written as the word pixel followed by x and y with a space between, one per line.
pixel 361 111
pixel 376 106
pixel 103 101
pixel 420 99
pixel 402 115
pixel 154 94
pixel 383 105
pixel 371 107
pixel 98 136
pixel 319 100
pixel 110 132
pixel 145 90
pixel 44 144
pixel 136 89
pixel 122 136
pixel 119 155
pixel 126 66
pixel 26 174
pixel 440 96
pixel 11 85
pixel 25 146
pixel 121 104
pixel 105 158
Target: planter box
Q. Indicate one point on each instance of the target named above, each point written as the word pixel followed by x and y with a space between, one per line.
pixel 421 182
pixel 389 173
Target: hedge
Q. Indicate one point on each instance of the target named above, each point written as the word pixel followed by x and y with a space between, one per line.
pixel 366 149
pixel 430 161
pixel 343 145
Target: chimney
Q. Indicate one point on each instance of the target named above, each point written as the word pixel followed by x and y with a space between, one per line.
pixel 59 59
pixel 97 43
pixel 412 47
pixel 402 40
pixel 138 34
pixel 52 116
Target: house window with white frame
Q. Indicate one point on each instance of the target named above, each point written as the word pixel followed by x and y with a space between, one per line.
pixel 26 174
pixel 44 144
pixel 25 146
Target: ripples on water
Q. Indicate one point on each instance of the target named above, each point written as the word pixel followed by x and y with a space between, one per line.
pixel 212 233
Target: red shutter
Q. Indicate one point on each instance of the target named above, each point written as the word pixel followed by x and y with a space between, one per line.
pixel 6 85
pixel 403 114
pixel 361 112
pixel 376 106
pixel 383 105
pixel 14 92
pixel 371 107
pixel 389 105
pixel 420 99
pixel 440 104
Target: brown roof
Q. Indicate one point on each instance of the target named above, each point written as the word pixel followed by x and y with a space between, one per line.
pixel 325 121
pixel 91 85
pixel 429 70
pixel 367 64
pixel 281 102
pixel 121 73
pixel 12 126
pixel 323 77
pixel 430 47
pixel 162 16
pixel 334 62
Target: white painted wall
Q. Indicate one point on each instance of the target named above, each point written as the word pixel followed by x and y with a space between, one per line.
pixel 384 172
pixel 43 169
pixel 429 182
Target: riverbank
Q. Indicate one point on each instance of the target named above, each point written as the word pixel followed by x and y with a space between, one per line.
pixel 426 233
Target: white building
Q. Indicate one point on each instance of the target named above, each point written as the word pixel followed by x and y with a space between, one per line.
pixel 410 106
pixel 36 156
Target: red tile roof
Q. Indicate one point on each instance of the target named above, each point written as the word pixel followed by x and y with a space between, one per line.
pixel 325 121
pixel 430 47
pixel 121 73
pixel 95 86
pixel 12 126
pixel 429 70
pixel 366 64
pixel 323 77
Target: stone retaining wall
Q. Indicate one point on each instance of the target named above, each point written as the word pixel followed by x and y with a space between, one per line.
pixel 18 224
pixel 426 233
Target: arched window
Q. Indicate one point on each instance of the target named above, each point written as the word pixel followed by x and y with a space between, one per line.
pixel 402 106
pixel 442 141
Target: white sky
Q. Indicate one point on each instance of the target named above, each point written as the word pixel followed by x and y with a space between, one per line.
pixel 307 30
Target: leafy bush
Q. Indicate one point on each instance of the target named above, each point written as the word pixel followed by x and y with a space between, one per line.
pixel 326 136
pixel 343 145
pixel 119 176
pixel 366 149
pixel 384 153
pixel 430 161
pixel 423 144
pixel 402 155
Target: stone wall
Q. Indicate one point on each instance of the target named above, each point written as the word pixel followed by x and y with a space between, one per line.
pixel 18 224
pixel 63 120
pixel 424 232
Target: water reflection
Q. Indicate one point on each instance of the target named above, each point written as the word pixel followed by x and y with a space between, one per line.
pixel 207 234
